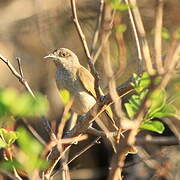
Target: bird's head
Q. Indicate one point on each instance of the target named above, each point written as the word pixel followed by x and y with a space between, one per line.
pixel 63 57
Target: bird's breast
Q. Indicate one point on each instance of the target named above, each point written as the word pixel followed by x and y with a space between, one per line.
pixel 83 101
pixel 66 80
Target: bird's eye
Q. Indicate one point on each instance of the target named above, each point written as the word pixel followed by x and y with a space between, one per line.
pixel 63 54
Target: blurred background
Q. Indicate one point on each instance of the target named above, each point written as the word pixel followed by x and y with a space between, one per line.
pixel 31 29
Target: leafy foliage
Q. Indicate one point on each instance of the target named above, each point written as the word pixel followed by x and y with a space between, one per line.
pixel 13 103
pixel 158 106
pixel 30 151
pixel 7 138
pixel 27 156
pixel 118 5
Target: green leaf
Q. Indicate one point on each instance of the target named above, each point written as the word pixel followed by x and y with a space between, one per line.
pixel 30 152
pixel 27 143
pixel 167 111
pixel 118 5
pixel 65 96
pixel 155 126
pixel 157 100
pixel 29 106
pixel 177 33
pixel 3 144
pixel 8 165
pixel 130 110
pixel 7 137
pixel 121 28
pixel 12 103
pixel 145 80
pixel 140 83
pixel 165 34
pixel 7 98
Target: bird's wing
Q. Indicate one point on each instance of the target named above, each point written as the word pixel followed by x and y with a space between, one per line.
pixel 87 80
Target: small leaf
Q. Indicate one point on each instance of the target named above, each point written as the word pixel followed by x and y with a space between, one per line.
pixel 157 99
pixel 65 96
pixel 165 34
pixel 3 144
pixel 118 5
pixel 67 116
pixel 140 83
pixel 121 28
pixel 145 80
pixel 155 126
pixel 167 111
pixel 7 137
pixel 130 110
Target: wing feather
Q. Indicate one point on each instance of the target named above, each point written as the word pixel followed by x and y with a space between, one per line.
pixel 87 80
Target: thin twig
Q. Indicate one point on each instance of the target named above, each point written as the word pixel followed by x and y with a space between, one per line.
pixel 84 150
pixel 135 31
pixel 63 119
pixel 49 171
pixel 157 36
pixel 34 132
pixel 86 49
pixel 105 38
pixel 17 75
pixel 174 60
pixel 20 67
pixel 122 57
pixel 98 26
pixel 142 35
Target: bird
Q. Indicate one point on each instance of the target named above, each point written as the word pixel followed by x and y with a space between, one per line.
pixel 76 79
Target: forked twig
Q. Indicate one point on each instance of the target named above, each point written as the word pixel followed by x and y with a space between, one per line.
pixel 18 75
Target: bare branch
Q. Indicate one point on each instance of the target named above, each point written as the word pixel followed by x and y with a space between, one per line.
pixel 17 75
pixel 98 26
pixel 134 30
pixel 20 66
pixel 142 35
pixel 157 36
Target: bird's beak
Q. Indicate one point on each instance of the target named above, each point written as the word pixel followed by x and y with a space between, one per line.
pixel 50 56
